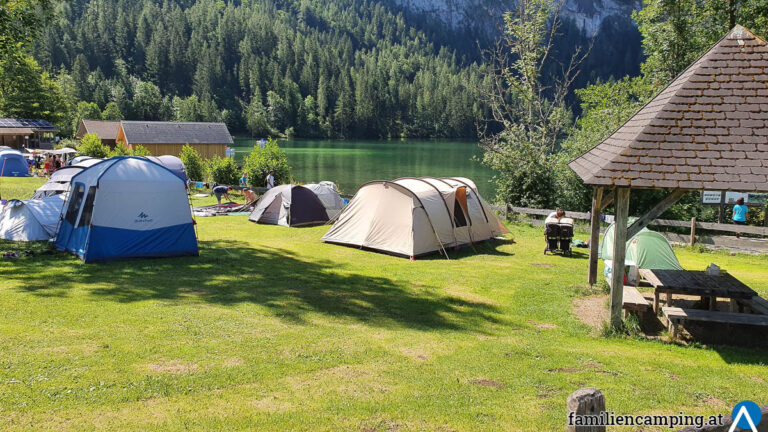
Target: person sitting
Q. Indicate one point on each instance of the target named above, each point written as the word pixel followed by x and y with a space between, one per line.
pixel 250 197
pixel 556 215
pixel 222 190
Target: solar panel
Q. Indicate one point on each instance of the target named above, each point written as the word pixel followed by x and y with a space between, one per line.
pixel 28 123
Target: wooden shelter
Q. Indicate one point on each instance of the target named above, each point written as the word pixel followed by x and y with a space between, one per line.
pixel 707 130
pixel 168 138
pixel 26 133
pixel 105 130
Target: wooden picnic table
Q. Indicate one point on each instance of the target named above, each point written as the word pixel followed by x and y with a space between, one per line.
pixel 697 283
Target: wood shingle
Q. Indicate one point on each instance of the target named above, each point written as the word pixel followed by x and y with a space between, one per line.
pixel 707 130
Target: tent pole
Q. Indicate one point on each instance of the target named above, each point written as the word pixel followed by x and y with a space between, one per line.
pixel 594 238
pixel 619 253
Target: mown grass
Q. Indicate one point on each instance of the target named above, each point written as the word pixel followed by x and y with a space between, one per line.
pixel 271 329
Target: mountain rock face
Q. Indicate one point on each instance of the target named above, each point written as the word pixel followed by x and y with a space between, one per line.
pixel 587 15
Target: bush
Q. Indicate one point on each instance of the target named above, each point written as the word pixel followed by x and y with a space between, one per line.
pixel 193 163
pixel 140 150
pixel 223 170
pixel 120 150
pixel 263 159
pixel 92 146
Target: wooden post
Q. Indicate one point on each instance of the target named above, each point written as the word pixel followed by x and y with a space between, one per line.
pixel 621 203
pixel 693 231
pixel 594 238
pixel 506 212
pixel 586 401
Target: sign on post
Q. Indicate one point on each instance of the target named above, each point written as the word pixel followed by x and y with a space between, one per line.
pixel 729 198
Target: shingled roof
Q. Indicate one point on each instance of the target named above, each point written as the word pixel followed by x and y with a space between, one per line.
pixel 105 129
pixel 707 130
pixel 142 132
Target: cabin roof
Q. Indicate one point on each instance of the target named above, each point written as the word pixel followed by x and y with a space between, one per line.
pixel 707 130
pixel 105 129
pixel 143 132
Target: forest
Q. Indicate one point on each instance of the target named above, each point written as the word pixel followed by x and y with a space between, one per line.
pixel 346 68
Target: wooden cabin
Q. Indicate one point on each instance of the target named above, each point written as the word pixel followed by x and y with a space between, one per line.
pixel 26 133
pixel 168 138
pixel 106 130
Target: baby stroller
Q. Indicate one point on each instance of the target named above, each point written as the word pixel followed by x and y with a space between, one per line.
pixel 559 234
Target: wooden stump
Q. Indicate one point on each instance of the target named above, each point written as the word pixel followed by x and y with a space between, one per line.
pixel 586 401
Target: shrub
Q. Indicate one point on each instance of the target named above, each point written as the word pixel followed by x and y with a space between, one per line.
pixel 223 170
pixel 263 159
pixel 92 146
pixel 120 150
pixel 193 163
pixel 140 150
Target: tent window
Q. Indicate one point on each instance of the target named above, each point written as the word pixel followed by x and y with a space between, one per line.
pixel 458 215
pixel 74 204
pixel 85 218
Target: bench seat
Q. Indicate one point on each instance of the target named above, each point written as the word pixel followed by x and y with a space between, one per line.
pixel 634 301
pixel 676 316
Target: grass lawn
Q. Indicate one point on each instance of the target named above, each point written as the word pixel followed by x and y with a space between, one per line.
pixel 270 329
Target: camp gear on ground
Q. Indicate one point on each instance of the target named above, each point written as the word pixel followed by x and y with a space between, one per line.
pixel 127 207
pixel 13 164
pixel 290 206
pixel 31 220
pixel 415 216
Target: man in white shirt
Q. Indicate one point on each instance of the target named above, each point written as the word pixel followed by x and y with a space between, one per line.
pixel 270 180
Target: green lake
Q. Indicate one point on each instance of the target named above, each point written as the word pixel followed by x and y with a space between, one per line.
pixel 352 163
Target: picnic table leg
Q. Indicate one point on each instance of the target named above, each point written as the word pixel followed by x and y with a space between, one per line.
pixel 734 305
pixel 656 302
pixel 712 303
pixel 669 299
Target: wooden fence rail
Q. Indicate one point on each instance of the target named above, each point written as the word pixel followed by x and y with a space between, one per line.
pixel 693 224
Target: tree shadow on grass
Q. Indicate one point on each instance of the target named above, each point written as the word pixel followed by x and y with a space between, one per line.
pixel 230 272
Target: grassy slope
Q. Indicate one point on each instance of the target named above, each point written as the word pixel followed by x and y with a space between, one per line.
pixel 271 329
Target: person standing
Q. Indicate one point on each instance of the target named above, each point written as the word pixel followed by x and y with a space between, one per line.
pixel 244 180
pixel 270 180
pixel 740 214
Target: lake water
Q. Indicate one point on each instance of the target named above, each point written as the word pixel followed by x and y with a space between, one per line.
pixel 352 163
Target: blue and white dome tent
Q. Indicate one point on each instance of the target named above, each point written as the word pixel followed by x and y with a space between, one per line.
pixel 13 164
pixel 127 207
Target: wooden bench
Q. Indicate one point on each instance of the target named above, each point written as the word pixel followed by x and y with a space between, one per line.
pixel 634 301
pixel 677 316
pixel 755 304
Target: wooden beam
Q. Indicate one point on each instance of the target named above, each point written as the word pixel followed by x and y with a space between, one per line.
pixel 607 200
pixel 594 238
pixel 619 253
pixel 655 212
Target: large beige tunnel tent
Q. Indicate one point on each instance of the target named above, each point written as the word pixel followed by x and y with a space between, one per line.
pixel 415 216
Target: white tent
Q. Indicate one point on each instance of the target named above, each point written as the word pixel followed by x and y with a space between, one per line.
pixel 415 216
pixel 329 196
pixel 58 183
pixel 127 207
pixel 31 220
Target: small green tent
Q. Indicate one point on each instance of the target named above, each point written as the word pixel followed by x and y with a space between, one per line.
pixel 647 249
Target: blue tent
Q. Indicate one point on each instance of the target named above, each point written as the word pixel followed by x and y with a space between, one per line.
pixel 13 164
pixel 127 207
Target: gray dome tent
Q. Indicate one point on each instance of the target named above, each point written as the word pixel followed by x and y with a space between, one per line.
pixel 172 163
pixel 290 206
